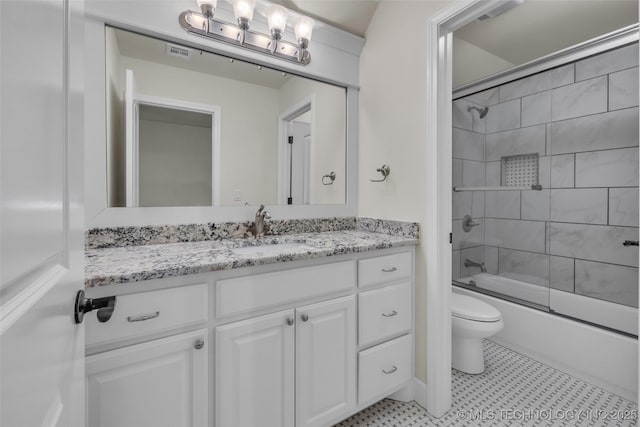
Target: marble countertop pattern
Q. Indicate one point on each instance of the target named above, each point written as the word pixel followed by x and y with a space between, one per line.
pixel 136 263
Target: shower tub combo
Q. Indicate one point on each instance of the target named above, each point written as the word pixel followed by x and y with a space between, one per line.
pixel 545 207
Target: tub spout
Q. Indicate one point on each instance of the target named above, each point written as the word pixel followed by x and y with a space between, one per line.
pixel 480 265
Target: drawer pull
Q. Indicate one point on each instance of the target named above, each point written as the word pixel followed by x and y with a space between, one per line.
pixel 393 313
pixel 143 317
pixel 389 270
pixel 390 371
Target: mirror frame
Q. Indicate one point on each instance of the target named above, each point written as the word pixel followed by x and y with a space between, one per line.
pixel 331 46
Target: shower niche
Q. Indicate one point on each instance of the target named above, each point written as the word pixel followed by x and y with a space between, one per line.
pixel 520 171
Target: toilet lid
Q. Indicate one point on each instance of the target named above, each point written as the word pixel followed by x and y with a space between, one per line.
pixel 466 307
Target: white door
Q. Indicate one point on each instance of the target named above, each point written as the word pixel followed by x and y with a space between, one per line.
pixel 300 163
pixel 255 372
pixel 161 383
pixel 41 232
pixel 325 361
pixel 131 139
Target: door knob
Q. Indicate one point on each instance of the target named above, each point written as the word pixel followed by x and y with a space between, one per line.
pixel 84 305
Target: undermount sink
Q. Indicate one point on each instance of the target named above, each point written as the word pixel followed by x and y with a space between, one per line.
pixel 270 249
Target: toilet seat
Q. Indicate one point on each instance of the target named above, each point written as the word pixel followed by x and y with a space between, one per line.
pixel 466 307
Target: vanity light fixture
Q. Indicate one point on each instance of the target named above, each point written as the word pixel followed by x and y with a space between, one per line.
pixel 204 24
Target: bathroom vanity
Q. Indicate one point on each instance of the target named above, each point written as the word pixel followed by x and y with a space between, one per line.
pixel 303 328
pixel 296 330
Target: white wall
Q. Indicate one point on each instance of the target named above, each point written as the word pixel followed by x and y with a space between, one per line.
pixel 471 63
pixel 393 107
pixel 328 152
pixel 175 164
pixel 248 152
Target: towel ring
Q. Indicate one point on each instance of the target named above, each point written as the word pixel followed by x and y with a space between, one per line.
pixel 385 170
pixel 330 176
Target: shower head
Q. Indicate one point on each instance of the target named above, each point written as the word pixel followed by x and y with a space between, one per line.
pixel 482 111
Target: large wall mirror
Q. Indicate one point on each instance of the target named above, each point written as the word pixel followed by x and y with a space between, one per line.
pixel 191 128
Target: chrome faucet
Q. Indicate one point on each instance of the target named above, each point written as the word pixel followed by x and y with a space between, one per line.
pixel 480 265
pixel 261 216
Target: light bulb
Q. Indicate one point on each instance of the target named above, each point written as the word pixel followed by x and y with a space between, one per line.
pixel 243 9
pixel 277 18
pixel 304 28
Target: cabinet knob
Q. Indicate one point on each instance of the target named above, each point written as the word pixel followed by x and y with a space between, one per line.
pixel 304 317
pixel 290 321
pixel 198 344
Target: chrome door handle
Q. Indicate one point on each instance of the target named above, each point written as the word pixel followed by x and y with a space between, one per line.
pixel 390 371
pixel 143 317
pixel 630 243
pixel 389 270
pixel 393 313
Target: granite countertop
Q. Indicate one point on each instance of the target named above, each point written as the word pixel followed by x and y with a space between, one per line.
pixel 136 263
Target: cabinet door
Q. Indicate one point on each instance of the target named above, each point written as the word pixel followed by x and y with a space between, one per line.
pixel 326 361
pixel 255 372
pixel 161 383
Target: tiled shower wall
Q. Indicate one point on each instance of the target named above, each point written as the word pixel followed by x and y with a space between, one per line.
pixel 582 120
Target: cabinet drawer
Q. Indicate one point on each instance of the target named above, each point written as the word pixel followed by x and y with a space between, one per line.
pixel 146 313
pixel 248 293
pixel 384 313
pixel 373 271
pixel 384 367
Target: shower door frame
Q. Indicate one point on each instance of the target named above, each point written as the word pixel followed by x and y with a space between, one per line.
pixel 438 225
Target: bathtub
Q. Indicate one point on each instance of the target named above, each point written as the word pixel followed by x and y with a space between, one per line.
pixel 596 355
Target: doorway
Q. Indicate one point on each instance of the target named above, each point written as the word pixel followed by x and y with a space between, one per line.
pixel 295 147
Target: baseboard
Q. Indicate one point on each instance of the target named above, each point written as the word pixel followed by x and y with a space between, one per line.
pixel 420 392
pixel 405 394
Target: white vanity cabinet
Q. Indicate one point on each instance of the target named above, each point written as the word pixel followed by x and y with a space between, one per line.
pixel 160 383
pixel 325 361
pixel 300 344
pixel 255 368
pixel 294 367
pixel 386 321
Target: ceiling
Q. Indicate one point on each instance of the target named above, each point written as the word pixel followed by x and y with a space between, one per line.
pixel 349 15
pixel 540 27
pixel 154 50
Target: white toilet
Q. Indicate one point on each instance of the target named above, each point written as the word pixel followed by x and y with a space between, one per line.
pixel 471 321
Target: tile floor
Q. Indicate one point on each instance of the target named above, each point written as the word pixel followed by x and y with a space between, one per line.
pixel 514 390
